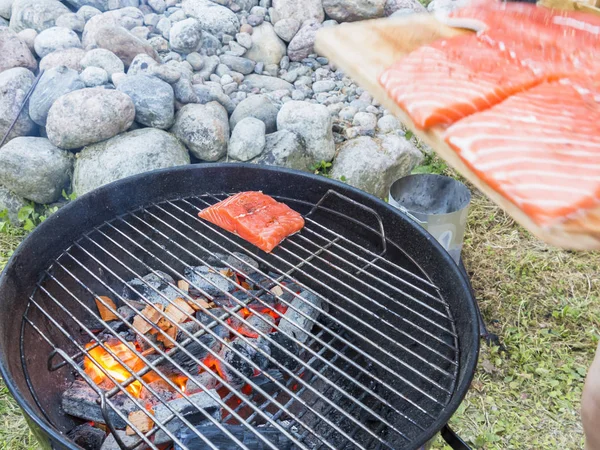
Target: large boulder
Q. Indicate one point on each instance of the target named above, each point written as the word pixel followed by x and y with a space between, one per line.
pixel 247 140
pixel 125 155
pixel 285 149
pixel 153 98
pixel 374 164
pixel 127 18
pixel 299 10
pixel 213 18
pixel 70 58
pixel 204 129
pixel 123 44
pixel 12 203
pixel 185 36
pixel 104 59
pixel 14 52
pixel 5 8
pixel 87 116
pixel 34 169
pixel 14 85
pixel 55 38
pixel 53 84
pixel 313 123
pixel 352 10
pixel 258 106
pixel 303 43
pixel 36 14
pixel 267 47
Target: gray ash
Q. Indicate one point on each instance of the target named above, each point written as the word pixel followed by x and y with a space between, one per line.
pixel 209 281
pixel 281 356
pixel 145 288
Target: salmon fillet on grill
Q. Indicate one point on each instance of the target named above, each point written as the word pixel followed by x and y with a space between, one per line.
pixel 256 218
pixel 539 148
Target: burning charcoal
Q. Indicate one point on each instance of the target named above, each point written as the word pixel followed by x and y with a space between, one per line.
pixel 247 265
pixel 258 358
pixel 127 312
pixel 282 357
pixel 220 439
pixel 262 282
pixel 142 341
pixel 162 389
pixel 219 330
pixel 196 349
pixel 111 443
pixel 288 296
pixel 266 383
pixel 202 381
pixel 144 289
pixel 232 356
pixel 87 437
pixel 79 400
pixel 195 410
pixel 266 299
pixel 223 301
pixel 209 281
pixel 296 325
pixel 255 323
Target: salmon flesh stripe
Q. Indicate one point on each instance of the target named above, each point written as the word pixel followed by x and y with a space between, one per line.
pixel 443 82
pixel 256 218
pixel 540 149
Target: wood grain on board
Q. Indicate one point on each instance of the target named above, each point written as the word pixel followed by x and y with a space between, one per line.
pixel 364 49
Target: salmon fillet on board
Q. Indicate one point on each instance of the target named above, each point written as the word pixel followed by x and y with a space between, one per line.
pixel 443 82
pixel 540 149
pixel 256 218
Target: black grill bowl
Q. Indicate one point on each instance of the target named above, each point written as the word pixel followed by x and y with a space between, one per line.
pixel 405 240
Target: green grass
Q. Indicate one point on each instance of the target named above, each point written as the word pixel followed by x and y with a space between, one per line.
pixel 542 302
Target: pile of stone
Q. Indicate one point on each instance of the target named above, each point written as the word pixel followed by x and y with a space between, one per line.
pixel 129 86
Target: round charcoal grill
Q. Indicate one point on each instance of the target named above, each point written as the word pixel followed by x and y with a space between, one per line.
pixel 381 353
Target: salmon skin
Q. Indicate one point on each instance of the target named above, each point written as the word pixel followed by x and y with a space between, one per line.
pixel 443 82
pixel 540 149
pixel 256 218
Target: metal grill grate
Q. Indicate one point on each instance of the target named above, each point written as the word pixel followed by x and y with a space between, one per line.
pixel 379 365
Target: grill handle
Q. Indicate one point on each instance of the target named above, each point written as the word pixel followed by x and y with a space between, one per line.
pixel 453 440
pixel 371 211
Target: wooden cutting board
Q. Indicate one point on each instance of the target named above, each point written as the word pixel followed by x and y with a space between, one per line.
pixel 364 49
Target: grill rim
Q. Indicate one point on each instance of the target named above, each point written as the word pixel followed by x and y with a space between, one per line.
pixel 71 213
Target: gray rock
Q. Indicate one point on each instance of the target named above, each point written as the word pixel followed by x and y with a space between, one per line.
pixel 259 107
pixel 34 169
pixel 236 49
pixel 140 32
pixel 28 38
pixel 86 12
pixel 5 8
pixel 71 21
pixel 87 116
pixel 118 78
pixel 245 28
pixel 94 76
pixel 247 139
pixel 12 203
pixel 54 83
pixel 127 18
pixel 313 123
pixel 323 86
pixel 210 44
pixel 166 73
pixel 388 124
pixel 184 91
pixel 348 113
pixel 303 43
pixel 125 155
pixel 267 83
pixel 142 63
pixel 374 164
pixel 70 58
pixel 210 64
pixel 247 5
pixel 244 39
pixel 267 47
pixel 255 20
pixel 119 4
pixel 365 120
pixel 104 59
pixel 195 60
pixel 36 14
pixel 204 129
pixel 14 85
pixel 159 43
pixel 443 6
pixel 154 100
pixel 285 149
pixel 177 16
pixel 186 36
pixel 244 66
pixel 393 6
pixel 14 51
pixel 352 10
pixel 151 19
pixel 159 6
pixel 123 44
pixel 164 27
pixel 299 10
pixel 214 18
pixel 4 22
pixel 286 29
pixel 55 38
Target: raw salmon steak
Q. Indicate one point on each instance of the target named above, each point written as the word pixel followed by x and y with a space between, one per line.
pixel 256 218
pixel 540 149
pixel 443 82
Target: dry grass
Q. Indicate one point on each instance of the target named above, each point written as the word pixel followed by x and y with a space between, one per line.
pixel 544 305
